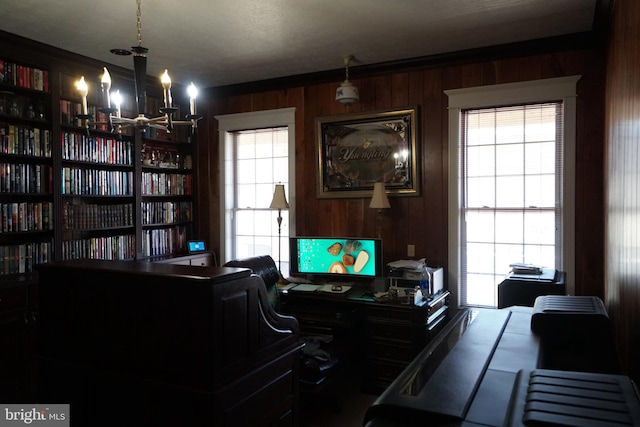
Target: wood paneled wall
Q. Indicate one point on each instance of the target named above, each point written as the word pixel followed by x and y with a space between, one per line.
pixel 422 220
pixel 622 278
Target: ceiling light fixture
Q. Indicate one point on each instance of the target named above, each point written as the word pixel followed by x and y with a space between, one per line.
pixel 141 121
pixel 347 93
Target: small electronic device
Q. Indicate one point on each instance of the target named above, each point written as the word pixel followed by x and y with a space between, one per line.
pixel 336 258
pixel 196 246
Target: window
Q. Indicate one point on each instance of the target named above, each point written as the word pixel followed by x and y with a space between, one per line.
pixel 256 151
pixel 511 183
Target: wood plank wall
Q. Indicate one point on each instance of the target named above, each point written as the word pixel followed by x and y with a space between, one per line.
pixel 622 277
pixel 422 220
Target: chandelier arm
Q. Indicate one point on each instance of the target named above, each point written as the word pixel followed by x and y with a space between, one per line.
pixel 159 119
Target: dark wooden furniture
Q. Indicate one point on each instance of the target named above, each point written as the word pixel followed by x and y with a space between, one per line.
pixel 140 343
pixel 523 290
pixel 18 319
pixel 480 368
pixel 379 338
pixel 202 259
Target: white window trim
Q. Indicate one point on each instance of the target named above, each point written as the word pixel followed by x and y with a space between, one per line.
pixel 255 120
pixel 561 88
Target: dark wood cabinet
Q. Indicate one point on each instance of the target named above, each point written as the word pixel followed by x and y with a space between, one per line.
pixel 202 259
pixel 379 339
pixel 18 318
pixel 395 334
pixel 140 343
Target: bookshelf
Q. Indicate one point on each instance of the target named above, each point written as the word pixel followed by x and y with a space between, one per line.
pixel 127 194
pixel 27 214
pixel 68 192
pixel 98 196
pixel 72 192
pixel 167 192
pixel 26 189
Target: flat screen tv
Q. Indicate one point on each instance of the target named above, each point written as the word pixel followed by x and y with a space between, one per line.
pixel 344 258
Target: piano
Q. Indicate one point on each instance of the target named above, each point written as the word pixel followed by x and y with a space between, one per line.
pixel 551 364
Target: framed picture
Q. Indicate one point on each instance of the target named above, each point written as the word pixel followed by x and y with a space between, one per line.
pixel 357 150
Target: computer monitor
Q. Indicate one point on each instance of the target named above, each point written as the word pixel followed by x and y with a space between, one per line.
pixel 343 258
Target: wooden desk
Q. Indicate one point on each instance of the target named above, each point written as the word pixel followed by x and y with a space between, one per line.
pixel 379 338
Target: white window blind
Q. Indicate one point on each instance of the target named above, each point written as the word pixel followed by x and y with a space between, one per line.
pixel 511 163
pixel 257 160
pixel 511 183
pixel 256 152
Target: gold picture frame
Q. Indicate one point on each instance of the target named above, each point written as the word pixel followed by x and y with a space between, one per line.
pixel 356 150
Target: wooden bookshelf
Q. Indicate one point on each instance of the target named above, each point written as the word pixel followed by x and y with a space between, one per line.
pixel 70 191
pixel 73 192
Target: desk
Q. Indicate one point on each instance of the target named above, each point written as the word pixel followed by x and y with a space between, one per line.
pixel 379 338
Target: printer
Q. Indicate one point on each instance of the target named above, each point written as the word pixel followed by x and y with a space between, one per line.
pixel 407 273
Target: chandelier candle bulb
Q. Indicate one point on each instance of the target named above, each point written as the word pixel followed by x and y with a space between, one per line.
pixel 106 87
pixel 166 85
pixel 117 100
pixel 193 93
pixel 84 91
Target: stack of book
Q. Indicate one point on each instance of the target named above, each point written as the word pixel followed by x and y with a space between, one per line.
pixel 532 272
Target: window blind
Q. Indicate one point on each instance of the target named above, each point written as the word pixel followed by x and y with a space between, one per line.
pixel 510 166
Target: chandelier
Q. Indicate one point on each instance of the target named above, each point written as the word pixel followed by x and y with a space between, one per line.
pixel 111 101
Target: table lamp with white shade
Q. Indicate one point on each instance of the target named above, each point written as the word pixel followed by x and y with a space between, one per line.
pixel 379 201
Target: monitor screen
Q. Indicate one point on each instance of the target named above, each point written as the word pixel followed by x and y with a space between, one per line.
pixel 196 246
pixel 349 258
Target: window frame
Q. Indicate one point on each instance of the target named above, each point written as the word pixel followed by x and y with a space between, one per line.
pixel 254 120
pixel 537 91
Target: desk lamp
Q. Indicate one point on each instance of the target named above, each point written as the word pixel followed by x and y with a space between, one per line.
pixel 379 201
pixel 279 202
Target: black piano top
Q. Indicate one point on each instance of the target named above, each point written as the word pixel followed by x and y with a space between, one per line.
pixel 553 364
pixel 465 376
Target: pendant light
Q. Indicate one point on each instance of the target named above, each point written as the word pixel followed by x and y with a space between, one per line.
pixel 347 93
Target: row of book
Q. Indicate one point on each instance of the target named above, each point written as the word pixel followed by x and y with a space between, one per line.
pixel 96 182
pixel 179 133
pixel 110 248
pixel 161 183
pixel 70 110
pixel 92 216
pixel 19 259
pixel 166 212
pixel 97 149
pixel 26 178
pixel 23 76
pixel 25 140
pixel 164 241
pixel 26 216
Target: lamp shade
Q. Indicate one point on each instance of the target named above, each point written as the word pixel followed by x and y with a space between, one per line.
pixel 379 198
pixel 347 93
pixel 279 198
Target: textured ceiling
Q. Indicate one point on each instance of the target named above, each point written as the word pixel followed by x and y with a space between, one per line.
pixel 223 42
